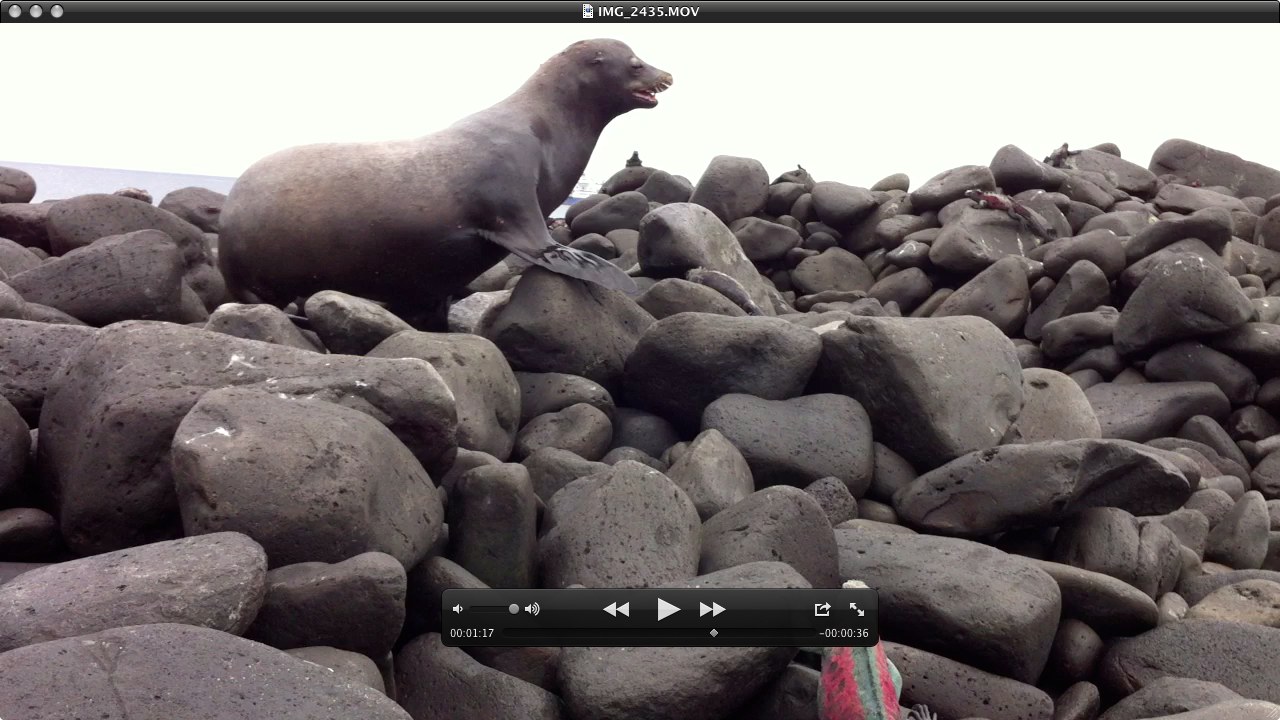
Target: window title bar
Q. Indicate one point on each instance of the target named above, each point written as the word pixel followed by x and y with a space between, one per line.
pixel 707 11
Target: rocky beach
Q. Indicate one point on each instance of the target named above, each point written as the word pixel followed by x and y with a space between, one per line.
pixel 1034 403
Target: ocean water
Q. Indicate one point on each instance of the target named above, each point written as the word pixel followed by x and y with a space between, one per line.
pixel 57 182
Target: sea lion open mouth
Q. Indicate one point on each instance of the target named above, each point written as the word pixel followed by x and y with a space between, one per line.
pixel 649 95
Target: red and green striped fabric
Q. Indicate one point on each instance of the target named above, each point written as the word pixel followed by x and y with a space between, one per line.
pixel 861 683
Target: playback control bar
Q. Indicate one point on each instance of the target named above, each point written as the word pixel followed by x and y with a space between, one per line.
pixel 660 617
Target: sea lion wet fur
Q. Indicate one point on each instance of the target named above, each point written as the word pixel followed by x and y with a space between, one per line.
pixel 410 222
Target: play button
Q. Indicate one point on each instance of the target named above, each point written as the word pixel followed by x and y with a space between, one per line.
pixel 666 609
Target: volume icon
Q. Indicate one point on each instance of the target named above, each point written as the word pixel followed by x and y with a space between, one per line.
pixel 532 609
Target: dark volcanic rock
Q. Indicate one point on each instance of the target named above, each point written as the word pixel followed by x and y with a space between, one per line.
pixel 1081 289
pixel 1168 696
pixel 663 187
pixel 555 323
pixel 1224 652
pixel 215 581
pixel 258 322
pixel 798 441
pixel 165 671
pixel 308 479
pixel 351 325
pixel 199 206
pixel 15 448
pixel 672 296
pixel 1073 335
pixel 1255 344
pixel 999 294
pixel 763 241
pixel 105 434
pixel 1184 298
pixel 732 187
pixel 344 664
pixel 1197 588
pixel 485 390
pixel 1192 161
pixel 15 258
pixel 552 468
pixel 956 690
pixel 894 368
pixel 910 572
pixel 356 605
pixel 642 431
pixel 138 276
pixel 493 521
pixel 542 393
pixel 1076 648
pixel 437 681
pixel 83 219
pixel 1053 408
pixel 783 524
pixel 28 534
pixel 1129 177
pixel 30 353
pixel 16 186
pixel 620 212
pixel 684 362
pixel 1014 171
pixel 628 526
pixel 1145 411
pixel 840 205
pixel 713 473
pixel 790 696
pixel 834 497
pixel 581 429
pixel 1100 247
pixel 1107 604
pixel 26 224
pixel 1192 361
pixel 835 269
pixel 1039 484
pixel 978 238
pixel 1239 540
pixel 1110 540
pixel 1212 226
pixel 680 237
pixel 949 186
pixel 1252 601
pixel 907 288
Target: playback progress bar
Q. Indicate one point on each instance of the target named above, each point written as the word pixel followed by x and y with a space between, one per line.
pixel 659 617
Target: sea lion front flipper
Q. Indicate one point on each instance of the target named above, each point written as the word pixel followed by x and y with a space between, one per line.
pixel 564 260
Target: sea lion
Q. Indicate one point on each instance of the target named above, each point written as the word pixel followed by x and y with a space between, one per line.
pixel 410 222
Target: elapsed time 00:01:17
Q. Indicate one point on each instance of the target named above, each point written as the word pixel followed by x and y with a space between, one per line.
pixel 471 632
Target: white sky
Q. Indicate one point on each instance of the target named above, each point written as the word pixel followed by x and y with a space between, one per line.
pixel 849 102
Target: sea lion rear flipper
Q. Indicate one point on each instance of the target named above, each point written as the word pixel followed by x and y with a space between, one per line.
pixel 565 260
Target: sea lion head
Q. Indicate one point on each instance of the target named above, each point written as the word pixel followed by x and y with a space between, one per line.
pixel 611 74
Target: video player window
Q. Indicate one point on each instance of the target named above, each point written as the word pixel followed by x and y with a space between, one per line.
pixel 683 360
